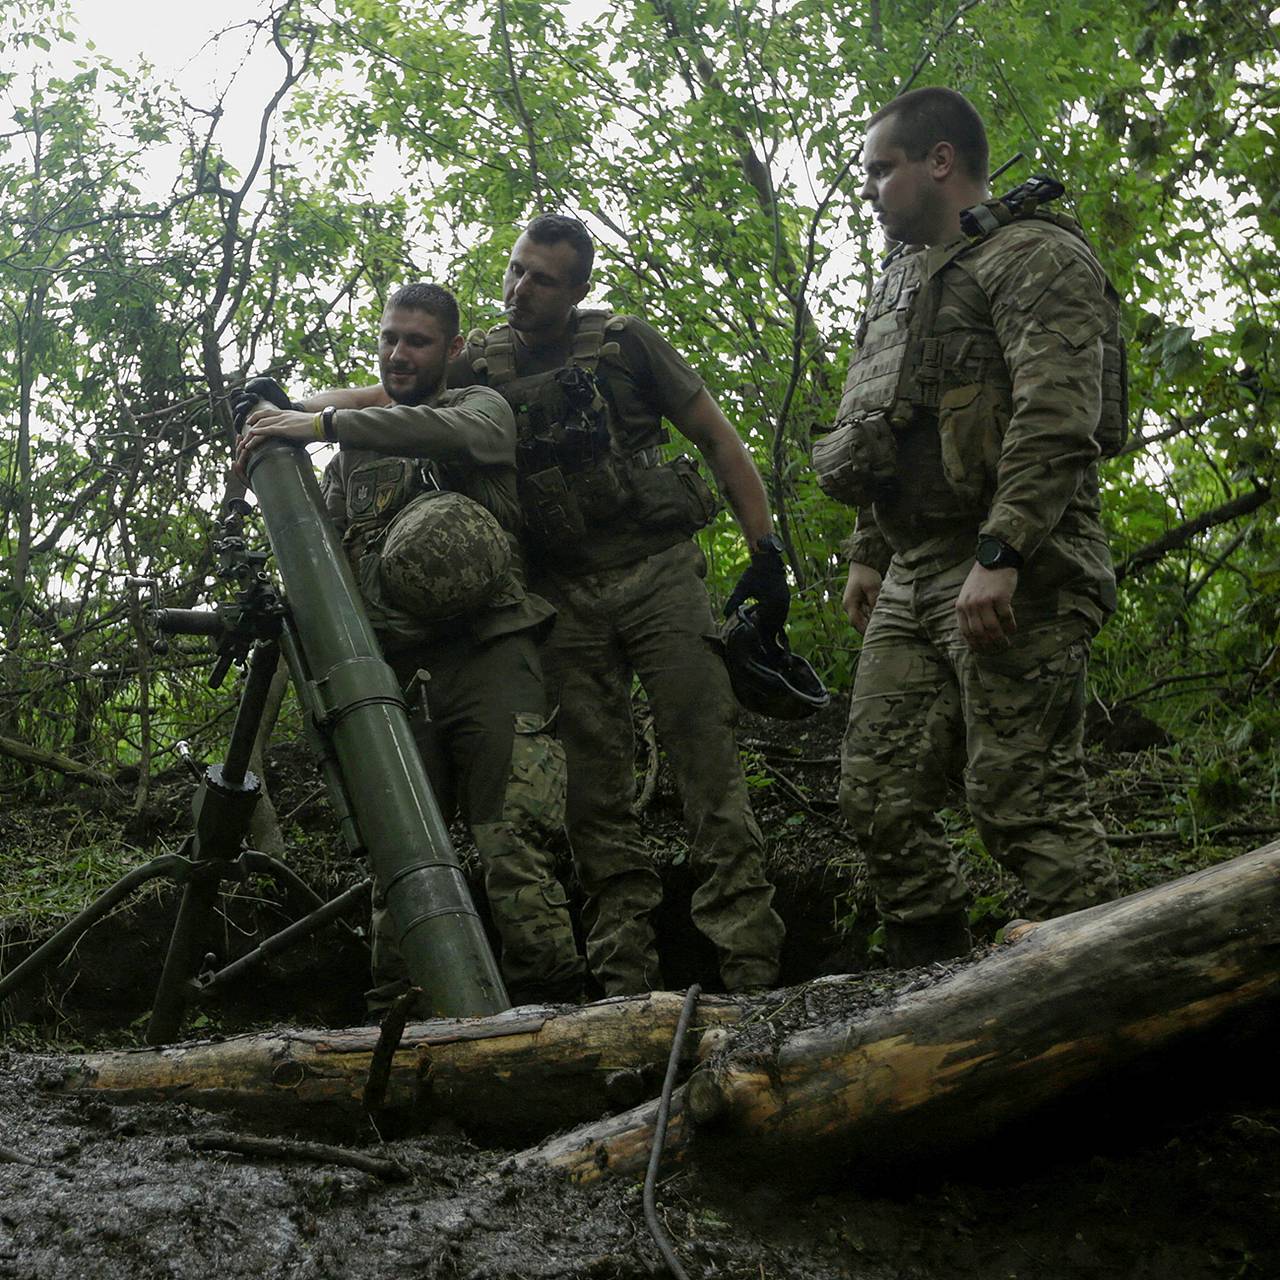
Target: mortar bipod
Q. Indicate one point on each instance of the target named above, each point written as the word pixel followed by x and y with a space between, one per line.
pixel 255 629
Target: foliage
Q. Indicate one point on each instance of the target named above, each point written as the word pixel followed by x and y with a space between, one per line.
pixel 712 148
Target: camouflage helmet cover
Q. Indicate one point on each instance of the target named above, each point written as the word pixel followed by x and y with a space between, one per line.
pixel 444 555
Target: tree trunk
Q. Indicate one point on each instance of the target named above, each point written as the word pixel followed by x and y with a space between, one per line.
pixel 525 1073
pixel 955 1055
pixel 1068 1001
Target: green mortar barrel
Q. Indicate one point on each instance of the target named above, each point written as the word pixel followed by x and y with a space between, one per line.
pixel 362 710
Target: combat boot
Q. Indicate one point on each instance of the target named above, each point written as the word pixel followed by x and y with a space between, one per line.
pixel 925 941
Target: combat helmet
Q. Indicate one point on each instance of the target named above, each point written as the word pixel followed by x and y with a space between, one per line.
pixel 444 555
pixel 767 677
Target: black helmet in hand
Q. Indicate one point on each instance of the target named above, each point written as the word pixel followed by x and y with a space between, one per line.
pixel 767 677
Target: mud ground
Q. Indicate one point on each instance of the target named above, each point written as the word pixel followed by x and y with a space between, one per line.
pixel 1172 1171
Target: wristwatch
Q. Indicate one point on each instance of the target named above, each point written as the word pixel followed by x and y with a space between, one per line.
pixel 326 421
pixel 994 554
pixel 769 543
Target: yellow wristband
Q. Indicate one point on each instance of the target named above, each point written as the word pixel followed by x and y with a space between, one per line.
pixel 317 426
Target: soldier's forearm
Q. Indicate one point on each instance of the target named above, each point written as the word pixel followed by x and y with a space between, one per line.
pixel 347 398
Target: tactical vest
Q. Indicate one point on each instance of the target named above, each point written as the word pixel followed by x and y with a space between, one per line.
pixel 900 367
pixel 573 478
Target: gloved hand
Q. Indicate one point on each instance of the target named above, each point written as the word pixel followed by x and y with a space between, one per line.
pixel 764 581
pixel 256 389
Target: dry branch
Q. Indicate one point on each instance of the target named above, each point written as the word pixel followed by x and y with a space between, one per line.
pixel 55 760
pixel 1068 1001
pixel 954 1056
pixel 321 1153
pixel 528 1071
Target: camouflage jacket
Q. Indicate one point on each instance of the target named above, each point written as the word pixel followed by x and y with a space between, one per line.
pixel 1010 450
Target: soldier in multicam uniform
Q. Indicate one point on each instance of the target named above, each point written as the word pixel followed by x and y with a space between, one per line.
pixel 424 493
pixel 968 438
pixel 609 527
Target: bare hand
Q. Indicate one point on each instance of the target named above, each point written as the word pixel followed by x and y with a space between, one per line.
pixel 984 608
pixel 860 595
pixel 267 422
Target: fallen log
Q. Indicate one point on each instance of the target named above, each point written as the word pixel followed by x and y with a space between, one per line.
pixel 523 1073
pixel 955 1055
pixel 1066 1001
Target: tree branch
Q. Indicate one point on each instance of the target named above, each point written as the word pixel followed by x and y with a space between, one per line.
pixel 1180 536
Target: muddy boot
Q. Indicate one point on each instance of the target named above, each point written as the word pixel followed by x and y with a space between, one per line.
pixel 924 941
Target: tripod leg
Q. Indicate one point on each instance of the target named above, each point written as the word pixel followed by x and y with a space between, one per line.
pixel 50 952
pixel 223 808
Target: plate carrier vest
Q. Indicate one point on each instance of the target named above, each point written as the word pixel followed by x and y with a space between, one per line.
pixel 572 476
pixel 899 368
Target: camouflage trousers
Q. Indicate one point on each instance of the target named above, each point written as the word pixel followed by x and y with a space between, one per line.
pixel 487 752
pixel 653 619
pixel 925 707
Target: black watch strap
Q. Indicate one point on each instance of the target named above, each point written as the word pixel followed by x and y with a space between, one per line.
pixel 327 423
pixel 769 544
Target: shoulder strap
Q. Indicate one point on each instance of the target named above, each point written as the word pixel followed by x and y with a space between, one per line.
pixel 493 353
pixel 590 339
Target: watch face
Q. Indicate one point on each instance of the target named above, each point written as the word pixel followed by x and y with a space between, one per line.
pixel 993 554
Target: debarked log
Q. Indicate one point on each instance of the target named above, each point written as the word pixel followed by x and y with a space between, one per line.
pixel 1067 1002
pixel 524 1073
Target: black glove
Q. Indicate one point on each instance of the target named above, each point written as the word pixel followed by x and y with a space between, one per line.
pixel 765 581
pixel 252 392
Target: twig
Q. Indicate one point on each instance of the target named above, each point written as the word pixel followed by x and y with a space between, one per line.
pixel 1206 833
pixel 9 1156
pixel 650 737
pixel 803 800
pixel 389 1037
pixel 280 1148
pixel 302 804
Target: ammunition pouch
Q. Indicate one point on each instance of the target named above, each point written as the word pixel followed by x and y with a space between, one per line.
pixel 552 515
pixel 601 491
pixel 672 496
pixel 559 509
pixel 971 424
pixel 856 463
pixel 564 423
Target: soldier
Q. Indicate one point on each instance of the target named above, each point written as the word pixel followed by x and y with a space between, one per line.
pixel 424 494
pixel 973 416
pixel 609 527
pixel 609 530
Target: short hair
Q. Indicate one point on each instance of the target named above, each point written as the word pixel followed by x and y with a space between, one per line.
pixel 924 117
pixel 435 300
pixel 552 228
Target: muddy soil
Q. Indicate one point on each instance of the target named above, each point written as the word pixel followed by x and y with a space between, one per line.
pixel 1171 1171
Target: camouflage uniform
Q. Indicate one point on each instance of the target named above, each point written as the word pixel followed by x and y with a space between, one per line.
pixel 631 601
pixel 997 438
pixel 483 737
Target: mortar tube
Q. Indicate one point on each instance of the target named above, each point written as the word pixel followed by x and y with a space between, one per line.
pixel 363 713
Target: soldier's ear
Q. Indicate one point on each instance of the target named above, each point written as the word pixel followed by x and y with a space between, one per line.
pixel 455 347
pixel 942 160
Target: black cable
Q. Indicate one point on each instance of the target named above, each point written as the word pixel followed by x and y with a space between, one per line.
pixel 660 1237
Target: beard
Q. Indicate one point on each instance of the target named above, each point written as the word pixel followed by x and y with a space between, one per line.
pixel 425 385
